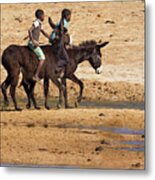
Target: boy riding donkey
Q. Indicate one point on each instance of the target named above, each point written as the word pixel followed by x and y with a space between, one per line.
pixel 60 32
pixel 34 34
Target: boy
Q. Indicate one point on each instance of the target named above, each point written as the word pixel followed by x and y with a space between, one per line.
pixel 34 34
pixel 66 16
pixel 59 30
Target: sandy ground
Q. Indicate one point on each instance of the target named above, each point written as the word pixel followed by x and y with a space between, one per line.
pixel 56 138
pixel 73 137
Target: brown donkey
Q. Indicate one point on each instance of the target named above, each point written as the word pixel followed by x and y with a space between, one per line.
pixel 71 68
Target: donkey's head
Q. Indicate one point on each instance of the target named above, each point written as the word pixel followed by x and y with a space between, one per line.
pixel 93 54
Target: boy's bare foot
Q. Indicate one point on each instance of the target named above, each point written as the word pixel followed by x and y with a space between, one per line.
pixel 35 78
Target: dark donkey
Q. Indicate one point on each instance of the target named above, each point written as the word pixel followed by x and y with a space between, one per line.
pixel 88 50
pixel 15 58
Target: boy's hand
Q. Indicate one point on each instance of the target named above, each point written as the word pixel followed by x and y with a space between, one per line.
pixel 36 43
pixel 49 20
pixel 51 23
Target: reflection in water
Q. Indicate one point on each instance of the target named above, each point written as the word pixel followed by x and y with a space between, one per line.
pixel 131 148
pixel 114 105
pixel 103 128
pixel 85 104
pixel 133 142
pixel 139 144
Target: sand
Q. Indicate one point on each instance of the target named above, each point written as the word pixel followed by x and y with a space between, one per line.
pixel 57 138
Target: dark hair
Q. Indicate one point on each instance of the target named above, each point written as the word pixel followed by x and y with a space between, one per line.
pixel 65 13
pixel 39 13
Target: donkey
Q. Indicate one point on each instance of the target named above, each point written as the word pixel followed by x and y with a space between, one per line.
pixel 16 58
pixel 88 50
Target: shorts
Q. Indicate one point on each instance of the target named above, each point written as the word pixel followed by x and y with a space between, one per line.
pixel 37 50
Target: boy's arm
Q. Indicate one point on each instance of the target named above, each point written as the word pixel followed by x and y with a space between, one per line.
pixel 45 34
pixel 61 26
pixel 51 23
pixel 31 37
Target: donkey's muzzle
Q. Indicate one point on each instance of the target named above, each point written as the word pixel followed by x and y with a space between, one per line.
pixel 99 70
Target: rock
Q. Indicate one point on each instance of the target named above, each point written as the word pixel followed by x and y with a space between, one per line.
pixel 94 83
pixel 143 136
pixel 104 142
pixel 45 125
pixel 30 125
pixel 42 149
pixel 101 114
pixel 109 22
pixel 99 149
pixel 136 165
pixel 19 19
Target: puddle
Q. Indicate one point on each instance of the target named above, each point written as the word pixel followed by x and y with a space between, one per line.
pixel 103 128
pixel 131 148
pixel 113 105
pixel 85 104
pixel 133 142
pixel 139 144
pixel 39 166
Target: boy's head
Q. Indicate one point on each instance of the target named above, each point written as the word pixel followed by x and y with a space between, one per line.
pixel 40 14
pixel 66 13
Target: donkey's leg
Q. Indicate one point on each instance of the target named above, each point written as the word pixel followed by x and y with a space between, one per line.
pixel 46 89
pixel 61 88
pixel 31 93
pixel 80 83
pixel 4 87
pixel 14 82
pixel 26 88
pixel 65 92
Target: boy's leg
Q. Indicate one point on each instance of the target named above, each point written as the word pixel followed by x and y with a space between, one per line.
pixel 36 76
pixel 38 51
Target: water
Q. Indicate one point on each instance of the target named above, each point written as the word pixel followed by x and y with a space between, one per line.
pixel 139 144
pixel 133 142
pixel 103 128
pixel 113 105
pixel 131 148
pixel 38 166
pixel 86 104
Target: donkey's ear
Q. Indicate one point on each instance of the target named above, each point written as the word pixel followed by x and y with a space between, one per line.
pixel 102 45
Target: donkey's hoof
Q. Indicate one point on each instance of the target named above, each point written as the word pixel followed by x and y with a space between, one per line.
pixel 59 106
pixel 37 107
pixel 6 103
pixel 69 107
pixel 76 104
pixel 79 99
pixel 47 107
pixel 18 109
pixel 28 106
